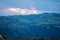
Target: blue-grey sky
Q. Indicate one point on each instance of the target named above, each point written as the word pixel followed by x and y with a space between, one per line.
pixel 42 5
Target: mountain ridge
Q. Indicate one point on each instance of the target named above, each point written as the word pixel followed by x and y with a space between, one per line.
pixel 42 25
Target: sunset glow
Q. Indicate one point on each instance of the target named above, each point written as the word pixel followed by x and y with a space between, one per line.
pixel 23 11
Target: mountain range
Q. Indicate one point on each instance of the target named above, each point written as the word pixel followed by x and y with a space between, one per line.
pixel 35 25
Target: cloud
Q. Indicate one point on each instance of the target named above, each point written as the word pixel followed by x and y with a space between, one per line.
pixel 23 11
pixel 20 11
